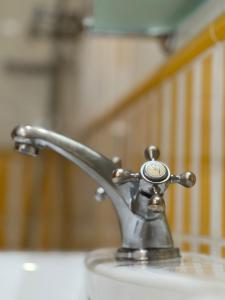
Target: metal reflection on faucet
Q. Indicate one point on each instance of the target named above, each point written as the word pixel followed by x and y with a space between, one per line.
pixel 137 197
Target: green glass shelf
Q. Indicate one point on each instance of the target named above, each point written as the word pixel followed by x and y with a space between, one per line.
pixel 146 17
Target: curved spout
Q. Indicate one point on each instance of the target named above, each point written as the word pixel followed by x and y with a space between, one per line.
pixel 30 140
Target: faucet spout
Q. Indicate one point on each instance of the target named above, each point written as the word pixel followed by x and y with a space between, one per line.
pixel 30 140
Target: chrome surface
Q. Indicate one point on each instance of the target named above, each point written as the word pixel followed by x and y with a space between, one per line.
pixel 138 200
pixel 117 161
pixel 152 152
pixel 122 176
pixel 148 254
pixel 27 149
pixel 186 179
pixel 100 194
pixel 156 203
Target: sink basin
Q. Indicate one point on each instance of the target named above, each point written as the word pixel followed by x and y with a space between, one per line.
pixel 193 277
pixel 97 276
pixel 42 276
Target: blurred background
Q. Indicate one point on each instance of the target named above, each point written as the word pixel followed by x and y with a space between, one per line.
pixel 56 73
pixel 117 76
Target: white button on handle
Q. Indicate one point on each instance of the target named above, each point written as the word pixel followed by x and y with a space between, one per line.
pixel 155 171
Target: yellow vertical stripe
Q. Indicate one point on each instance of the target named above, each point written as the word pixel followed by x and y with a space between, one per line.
pixel 223 252
pixel 47 187
pixel 138 129
pixel 3 183
pixel 204 249
pixel 185 246
pixel 204 174
pixel 27 191
pixel 159 118
pixel 154 118
pixel 172 152
pixel 130 139
pixel 223 170
pixel 187 147
pixel 148 132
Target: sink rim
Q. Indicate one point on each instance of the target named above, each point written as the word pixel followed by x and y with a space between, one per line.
pixel 102 263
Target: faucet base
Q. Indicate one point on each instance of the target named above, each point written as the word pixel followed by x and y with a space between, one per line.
pixel 150 254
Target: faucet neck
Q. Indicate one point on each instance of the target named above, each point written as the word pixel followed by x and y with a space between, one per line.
pixel 30 140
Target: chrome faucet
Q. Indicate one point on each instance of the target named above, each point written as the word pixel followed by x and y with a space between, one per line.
pixel 137 197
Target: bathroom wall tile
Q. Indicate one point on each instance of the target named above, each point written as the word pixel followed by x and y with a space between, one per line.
pixel 187 120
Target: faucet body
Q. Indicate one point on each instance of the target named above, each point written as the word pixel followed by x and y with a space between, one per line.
pixel 144 228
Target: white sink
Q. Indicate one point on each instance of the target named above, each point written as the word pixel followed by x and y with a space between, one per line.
pixel 195 277
pixel 69 276
pixel 41 276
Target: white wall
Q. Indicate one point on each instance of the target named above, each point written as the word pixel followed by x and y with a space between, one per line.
pixel 105 69
pixel 23 98
pixel 102 70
